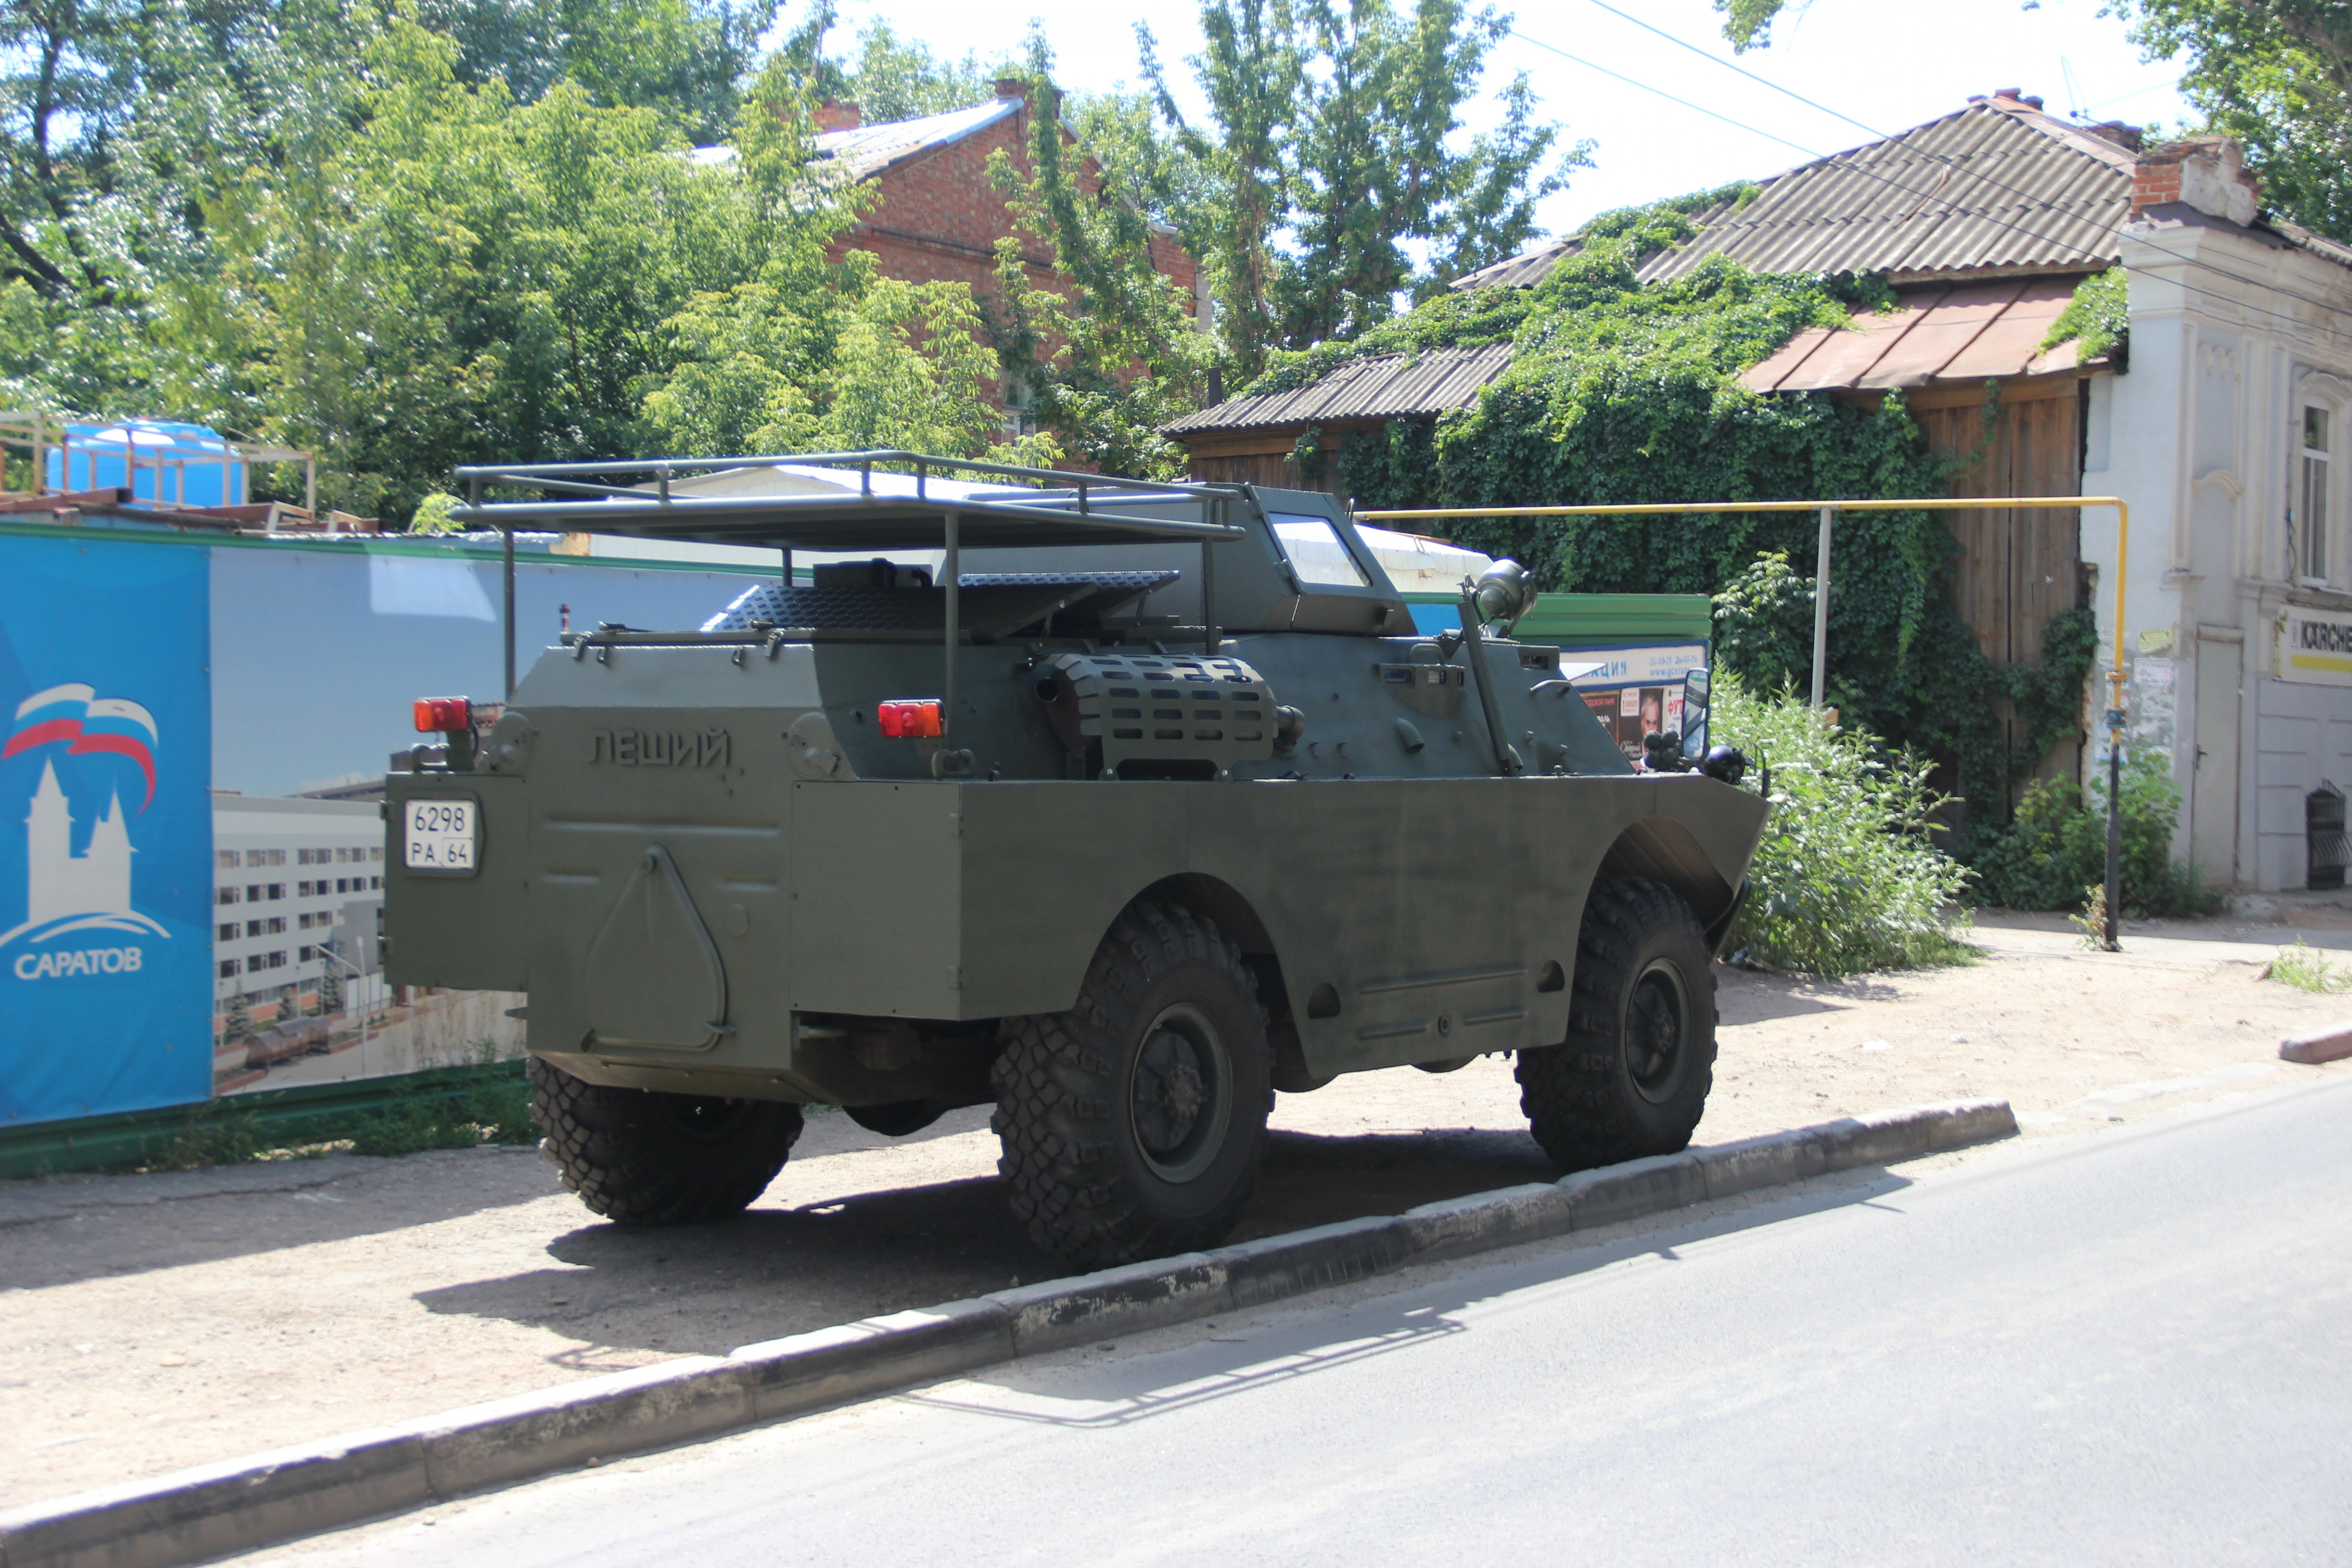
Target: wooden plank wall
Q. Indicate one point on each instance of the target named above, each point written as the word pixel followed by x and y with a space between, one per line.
pixel 2016 568
pixel 1278 469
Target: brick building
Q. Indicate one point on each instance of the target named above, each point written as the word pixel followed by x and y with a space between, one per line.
pixel 939 216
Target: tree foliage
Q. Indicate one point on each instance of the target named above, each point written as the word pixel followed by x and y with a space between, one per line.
pixel 352 233
pixel 407 234
pixel 1106 345
pixel 1329 151
pixel 686 58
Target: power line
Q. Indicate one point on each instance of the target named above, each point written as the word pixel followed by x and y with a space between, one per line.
pixel 1743 70
pixel 1662 93
pixel 1846 159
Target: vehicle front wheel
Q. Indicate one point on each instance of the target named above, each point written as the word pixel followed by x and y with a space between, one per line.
pixel 1632 1077
pixel 639 1157
pixel 1133 1124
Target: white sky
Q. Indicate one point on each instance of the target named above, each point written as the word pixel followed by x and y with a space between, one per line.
pixel 1888 66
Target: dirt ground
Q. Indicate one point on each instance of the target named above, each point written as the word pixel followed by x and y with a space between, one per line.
pixel 151 1322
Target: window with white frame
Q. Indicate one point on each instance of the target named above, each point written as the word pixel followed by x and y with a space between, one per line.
pixel 2315 475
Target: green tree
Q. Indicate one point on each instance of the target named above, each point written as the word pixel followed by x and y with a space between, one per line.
pixel 1110 349
pixel 900 78
pixel 1763 624
pixel 892 78
pixel 1330 151
pixel 685 57
pixel 806 354
pixel 2277 74
pixel 466 277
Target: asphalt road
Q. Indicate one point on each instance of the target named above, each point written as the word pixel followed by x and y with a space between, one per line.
pixel 2136 1348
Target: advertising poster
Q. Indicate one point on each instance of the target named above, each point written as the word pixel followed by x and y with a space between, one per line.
pixel 105 829
pixel 1634 691
pixel 193 745
pixel 318 653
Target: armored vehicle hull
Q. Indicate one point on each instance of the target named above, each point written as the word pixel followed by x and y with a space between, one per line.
pixel 1123 887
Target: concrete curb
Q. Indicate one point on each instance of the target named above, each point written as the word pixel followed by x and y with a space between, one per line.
pixel 2327 1045
pixel 243 1504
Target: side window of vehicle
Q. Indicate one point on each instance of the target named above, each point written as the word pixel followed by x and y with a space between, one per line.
pixel 1316 551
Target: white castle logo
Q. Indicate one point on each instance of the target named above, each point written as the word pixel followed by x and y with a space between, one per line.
pixel 65 891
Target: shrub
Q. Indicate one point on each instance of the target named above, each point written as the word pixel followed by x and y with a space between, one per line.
pixel 1764 624
pixel 2057 845
pixel 1845 878
pixel 214 1133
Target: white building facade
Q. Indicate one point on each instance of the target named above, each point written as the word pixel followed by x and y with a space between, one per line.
pixel 2230 433
pixel 294 880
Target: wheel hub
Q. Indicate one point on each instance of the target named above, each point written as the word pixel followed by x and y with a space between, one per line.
pixel 1657 1031
pixel 1180 1101
pixel 1169 1092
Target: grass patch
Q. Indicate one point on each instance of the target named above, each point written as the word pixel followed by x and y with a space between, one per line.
pixel 452 1112
pixel 217 1132
pixel 2308 968
pixel 452 1107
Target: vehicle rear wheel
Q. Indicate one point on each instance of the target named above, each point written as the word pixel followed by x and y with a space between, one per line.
pixel 1133 1123
pixel 638 1157
pixel 1632 1077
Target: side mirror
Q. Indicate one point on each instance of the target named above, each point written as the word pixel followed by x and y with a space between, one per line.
pixel 1694 691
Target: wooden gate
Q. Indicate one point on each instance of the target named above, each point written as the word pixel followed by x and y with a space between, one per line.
pixel 2016 568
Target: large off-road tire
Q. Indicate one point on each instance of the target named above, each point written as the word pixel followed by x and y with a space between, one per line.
pixel 638 1157
pixel 1133 1124
pixel 1632 1077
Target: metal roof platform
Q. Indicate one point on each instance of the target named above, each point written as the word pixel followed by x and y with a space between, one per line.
pixel 844 501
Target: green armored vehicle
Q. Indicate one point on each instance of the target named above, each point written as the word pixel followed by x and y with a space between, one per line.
pixel 1120 806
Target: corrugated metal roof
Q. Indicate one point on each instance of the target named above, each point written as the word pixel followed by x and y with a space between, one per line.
pixel 1971 332
pixel 1377 388
pixel 866 150
pixel 1998 188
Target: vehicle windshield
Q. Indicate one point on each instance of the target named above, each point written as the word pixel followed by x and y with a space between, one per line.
pixel 1316 551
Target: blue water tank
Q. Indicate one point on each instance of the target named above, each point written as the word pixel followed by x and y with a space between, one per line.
pixel 157 459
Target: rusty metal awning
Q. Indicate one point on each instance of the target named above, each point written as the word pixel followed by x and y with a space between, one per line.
pixel 1977 331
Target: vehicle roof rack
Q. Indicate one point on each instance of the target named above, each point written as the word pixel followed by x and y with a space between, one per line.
pixel 902 500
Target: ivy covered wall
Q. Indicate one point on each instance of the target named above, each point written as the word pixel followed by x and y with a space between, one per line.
pixel 1622 393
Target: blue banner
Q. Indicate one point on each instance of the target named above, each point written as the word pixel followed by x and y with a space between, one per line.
pixel 106 883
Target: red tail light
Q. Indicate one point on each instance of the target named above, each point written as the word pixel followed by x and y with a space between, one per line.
pixel 909 718
pixel 443 713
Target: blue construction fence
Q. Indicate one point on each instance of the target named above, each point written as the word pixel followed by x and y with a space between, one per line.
pixel 190 861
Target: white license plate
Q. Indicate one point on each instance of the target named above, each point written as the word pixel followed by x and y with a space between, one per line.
pixel 442 835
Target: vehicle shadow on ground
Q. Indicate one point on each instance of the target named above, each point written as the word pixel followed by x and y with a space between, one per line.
pixel 1751 996
pixel 1418 1307
pixel 113 1226
pixel 705 1289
